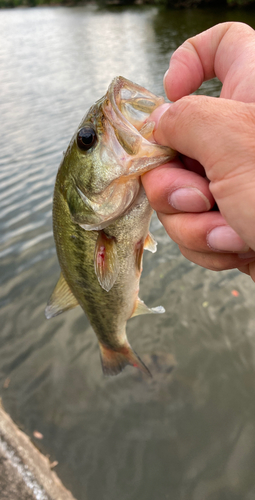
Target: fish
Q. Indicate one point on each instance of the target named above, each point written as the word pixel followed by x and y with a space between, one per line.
pixel 101 218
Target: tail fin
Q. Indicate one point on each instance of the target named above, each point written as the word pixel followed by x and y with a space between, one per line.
pixel 114 361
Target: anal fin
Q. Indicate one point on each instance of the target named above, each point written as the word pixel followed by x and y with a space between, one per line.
pixel 141 308
pixel 62 299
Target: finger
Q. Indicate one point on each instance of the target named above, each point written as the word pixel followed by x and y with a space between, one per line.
pixel 218 133
pixel 248 269
pixel 244 269
pixel 193 165
pixel 171 189
pixel 219 51
pixel 204 232
pixel 215 261
pixel 206 129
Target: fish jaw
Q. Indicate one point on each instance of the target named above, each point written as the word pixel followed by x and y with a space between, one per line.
pixel 127 107
pixel 134 102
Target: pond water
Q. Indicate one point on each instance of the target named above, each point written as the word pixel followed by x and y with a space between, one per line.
pixel 189 433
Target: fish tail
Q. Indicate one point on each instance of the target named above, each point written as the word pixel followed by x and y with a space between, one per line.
pixel 115 360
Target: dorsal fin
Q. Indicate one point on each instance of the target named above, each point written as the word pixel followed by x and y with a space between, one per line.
pixel 62 299
pixel 141 308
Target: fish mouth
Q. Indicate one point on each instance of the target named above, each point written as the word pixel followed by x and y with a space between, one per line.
pixel 127 107
pixel 132 103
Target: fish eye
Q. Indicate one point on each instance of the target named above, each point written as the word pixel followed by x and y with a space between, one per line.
pixel 86 138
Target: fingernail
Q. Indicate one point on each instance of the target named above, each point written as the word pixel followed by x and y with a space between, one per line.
pixel 166 73
pixel 225 239
pixel 164 79
pixel 156 115
pixel 189 199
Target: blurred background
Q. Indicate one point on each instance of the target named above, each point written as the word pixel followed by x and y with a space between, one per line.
pixel 189 433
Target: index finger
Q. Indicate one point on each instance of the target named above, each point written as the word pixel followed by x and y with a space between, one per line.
pixel 226 51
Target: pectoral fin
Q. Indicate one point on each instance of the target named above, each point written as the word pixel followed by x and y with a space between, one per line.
pixel 62 299
pixel 150 243
pixel 106 261
pixel 141 308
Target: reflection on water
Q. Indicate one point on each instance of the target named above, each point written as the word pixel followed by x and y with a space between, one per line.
pixel 189 432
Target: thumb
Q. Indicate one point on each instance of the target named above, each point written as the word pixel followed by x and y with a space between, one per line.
pixel 219 133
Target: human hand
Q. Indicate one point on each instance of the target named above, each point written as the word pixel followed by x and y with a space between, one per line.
pixel 217 134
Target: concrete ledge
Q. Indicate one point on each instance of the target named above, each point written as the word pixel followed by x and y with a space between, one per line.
pixel 25 474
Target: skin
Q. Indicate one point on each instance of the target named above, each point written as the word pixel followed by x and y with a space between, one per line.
pixel 215 137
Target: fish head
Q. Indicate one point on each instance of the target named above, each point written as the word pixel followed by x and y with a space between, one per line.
pixel 108 154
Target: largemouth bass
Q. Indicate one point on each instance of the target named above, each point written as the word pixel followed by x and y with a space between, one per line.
pixel 101 218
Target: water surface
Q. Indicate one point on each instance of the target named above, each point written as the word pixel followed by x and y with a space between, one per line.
pixel 189 433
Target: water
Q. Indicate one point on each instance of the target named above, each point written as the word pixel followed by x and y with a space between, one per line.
pixel 189 433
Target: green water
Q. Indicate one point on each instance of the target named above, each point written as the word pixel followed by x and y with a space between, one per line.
pixel 189 433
